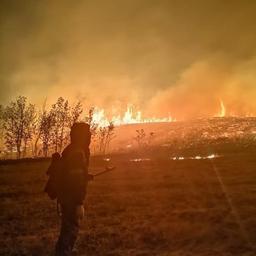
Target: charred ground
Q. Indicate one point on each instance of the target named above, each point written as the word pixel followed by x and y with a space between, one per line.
pixel 153 207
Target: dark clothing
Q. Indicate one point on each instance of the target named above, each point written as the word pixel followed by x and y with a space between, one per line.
pixel 69 230
pixel 54 172
pixel 75 174
pixel 75 161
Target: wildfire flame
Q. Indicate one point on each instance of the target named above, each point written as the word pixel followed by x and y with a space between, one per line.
pixel 129 117
pixel 222 112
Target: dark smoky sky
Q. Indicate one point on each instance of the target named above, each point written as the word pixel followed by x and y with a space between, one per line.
pixel 176 57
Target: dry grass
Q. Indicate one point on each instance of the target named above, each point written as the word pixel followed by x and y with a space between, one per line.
pixel 160 207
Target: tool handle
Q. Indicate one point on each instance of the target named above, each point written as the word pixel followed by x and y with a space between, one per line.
pixel 108 169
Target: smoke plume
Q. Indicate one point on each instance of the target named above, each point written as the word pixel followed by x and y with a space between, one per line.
pixel 177 58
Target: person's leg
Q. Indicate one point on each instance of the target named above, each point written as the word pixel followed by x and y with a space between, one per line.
pixel 68 232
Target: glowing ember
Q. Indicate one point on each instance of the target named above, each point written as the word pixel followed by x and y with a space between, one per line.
pixel 178 158
pixel 140 159
pixel 212 156
pixel 129 117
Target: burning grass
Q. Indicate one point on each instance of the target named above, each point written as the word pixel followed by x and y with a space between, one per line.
pixel 202 136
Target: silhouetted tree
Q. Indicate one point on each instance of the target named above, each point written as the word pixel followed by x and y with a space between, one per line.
pixel 37 130
pixel 106 135
pixel 110 136
pixel 29 127
pixel 75 113
pixel 89 120
pixel 18 118
pixel 93 128
pixel 46 126
pixel 140 137
pixel 60 111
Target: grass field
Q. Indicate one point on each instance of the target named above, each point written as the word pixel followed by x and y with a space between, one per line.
pixel 157 207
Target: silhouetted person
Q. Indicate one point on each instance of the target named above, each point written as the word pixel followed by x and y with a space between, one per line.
pixel 74 162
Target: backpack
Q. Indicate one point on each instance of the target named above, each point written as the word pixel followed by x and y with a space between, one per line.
pixel 54 183
pixel 66 181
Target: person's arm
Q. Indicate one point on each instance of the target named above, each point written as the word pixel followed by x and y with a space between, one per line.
pixel 89 177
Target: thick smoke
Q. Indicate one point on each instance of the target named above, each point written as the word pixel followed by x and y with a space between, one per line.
pixel 201 88
pixel 165 57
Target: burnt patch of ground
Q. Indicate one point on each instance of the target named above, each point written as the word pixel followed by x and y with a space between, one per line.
pixel 155 207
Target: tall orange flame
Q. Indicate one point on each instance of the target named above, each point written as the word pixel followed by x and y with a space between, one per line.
pixel 222 112
pixel 129 117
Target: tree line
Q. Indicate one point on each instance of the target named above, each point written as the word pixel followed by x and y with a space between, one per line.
pixel 29 132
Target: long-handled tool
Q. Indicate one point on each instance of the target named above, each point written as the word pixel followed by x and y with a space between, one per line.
pixel 107 169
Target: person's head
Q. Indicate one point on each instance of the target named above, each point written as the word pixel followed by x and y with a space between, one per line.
pixel 80 134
